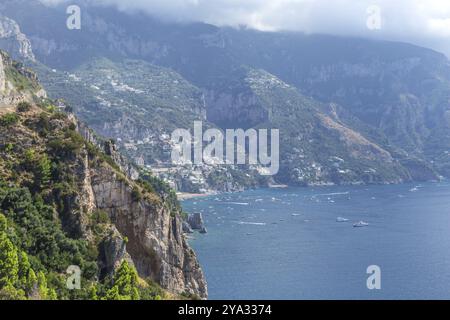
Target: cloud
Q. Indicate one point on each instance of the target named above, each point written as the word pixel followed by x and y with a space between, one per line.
pixel 426 22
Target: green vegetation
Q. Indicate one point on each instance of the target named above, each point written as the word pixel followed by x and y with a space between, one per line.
pixel 125 286
pixel 153 99
pixel 18 280
pixel 67 145
pixel 40 166
pixel 24 107
pixel 17 74
pixel 9 119
pixel 46 225
pixel 153 184
pixel 34 229
pixel 136 194
pixel 40 232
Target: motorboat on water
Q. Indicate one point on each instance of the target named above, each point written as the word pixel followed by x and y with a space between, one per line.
pixel 360 224
pixel 340 219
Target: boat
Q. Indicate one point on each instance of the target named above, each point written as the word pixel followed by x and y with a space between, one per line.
pixel 360 224
pixel 340 219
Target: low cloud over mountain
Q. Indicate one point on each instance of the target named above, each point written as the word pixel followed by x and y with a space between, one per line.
pixel 424 22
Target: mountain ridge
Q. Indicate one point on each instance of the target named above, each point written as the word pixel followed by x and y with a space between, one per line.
pixel 373 82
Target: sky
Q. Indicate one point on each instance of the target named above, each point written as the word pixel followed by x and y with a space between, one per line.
pixel 422 22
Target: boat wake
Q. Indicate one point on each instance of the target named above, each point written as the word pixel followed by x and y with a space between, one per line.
pixel 252 223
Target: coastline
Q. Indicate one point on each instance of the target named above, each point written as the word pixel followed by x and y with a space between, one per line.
pixel 186 195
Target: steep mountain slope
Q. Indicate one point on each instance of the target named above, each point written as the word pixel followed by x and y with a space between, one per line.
pixel 66 200
pixel 14 41
pixel 139 105
pixel 396 92
pixel 120 100
pixel 134 102
pixel 14 87
pixel 315 147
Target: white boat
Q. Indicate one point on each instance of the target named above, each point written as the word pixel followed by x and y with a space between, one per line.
pixel 360 224
pixel 340 219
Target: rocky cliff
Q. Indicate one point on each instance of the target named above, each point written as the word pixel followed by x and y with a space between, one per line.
pixel 14 41
pixel 156 243
pixel 54 157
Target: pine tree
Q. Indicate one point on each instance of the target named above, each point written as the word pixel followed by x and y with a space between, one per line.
pixel 3 223
pixel 31 282
pixel 9 262
pixel 93 293
pixel 113 294
pixel 43 172
pixel 9 266
pixel 125 285
pixel 42 286
pixel 26 277
pixel 51 294
pixel 41 167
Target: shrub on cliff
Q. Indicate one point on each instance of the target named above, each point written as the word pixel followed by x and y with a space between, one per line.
pixel 40 166
pixel 9 119
pixel 23 106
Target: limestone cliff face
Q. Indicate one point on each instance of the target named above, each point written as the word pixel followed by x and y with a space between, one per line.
pixel 156 243
pixel 2 78
pixel 14 41
pixel 141 226
pixel 226 108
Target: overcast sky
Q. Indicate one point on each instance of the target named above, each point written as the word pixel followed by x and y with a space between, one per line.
pixel 424 22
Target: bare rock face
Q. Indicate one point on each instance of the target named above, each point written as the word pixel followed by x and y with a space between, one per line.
pixel 156 243
pixel 112 251
pixel 14 41
pixel 187 228
pixel 238 108
pixel 2 77
pixel 107 146
pixel 196 222
pixel 146 233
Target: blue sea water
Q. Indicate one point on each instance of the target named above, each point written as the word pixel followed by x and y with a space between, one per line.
pixel 286 243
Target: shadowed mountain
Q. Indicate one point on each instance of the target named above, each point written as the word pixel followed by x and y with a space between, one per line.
pixel 394 95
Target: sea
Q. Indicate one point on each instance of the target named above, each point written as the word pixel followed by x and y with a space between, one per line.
pixel 287 243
